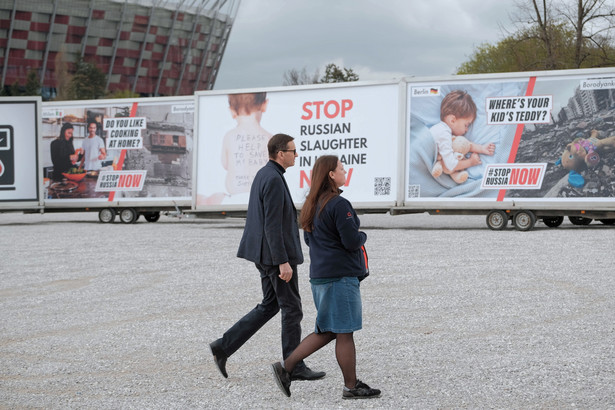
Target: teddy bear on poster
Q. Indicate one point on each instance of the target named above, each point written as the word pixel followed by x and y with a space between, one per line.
pixel 461 146
pixel 585 152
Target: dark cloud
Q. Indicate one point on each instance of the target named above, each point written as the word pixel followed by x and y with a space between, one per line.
pixel 378 39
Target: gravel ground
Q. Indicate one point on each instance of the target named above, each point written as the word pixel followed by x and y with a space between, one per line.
pixel 455 316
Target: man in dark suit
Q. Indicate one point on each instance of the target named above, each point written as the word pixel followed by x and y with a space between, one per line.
pixel 271 240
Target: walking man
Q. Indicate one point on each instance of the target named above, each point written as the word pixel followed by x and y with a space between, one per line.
pixel 271 240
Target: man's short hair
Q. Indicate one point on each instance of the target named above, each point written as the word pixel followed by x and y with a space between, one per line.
pixel 277 143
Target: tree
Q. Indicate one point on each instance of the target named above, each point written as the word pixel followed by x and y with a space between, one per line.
pixel 542 19
pixel 334 74
pixel 88 82
pixel 294 77
pixel 33 85
pixel 551 35
pixel 123 94
pixel 591 21
pixel 63 78
pixel 523 51
pixel 15 89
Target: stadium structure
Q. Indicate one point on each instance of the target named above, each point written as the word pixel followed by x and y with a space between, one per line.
pixel 151 47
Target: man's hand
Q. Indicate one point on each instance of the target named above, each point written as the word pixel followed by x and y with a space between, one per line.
pixel 286 272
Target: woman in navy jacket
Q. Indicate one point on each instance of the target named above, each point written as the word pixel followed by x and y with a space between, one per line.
pixel 338 263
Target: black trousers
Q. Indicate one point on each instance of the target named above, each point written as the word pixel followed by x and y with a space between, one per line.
pixel 277 295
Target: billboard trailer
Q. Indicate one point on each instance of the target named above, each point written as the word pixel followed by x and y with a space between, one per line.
pixel 517 147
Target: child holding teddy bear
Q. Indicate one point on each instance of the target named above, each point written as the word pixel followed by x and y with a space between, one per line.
pixel 457 113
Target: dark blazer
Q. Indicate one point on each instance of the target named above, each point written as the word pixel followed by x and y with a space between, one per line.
pixel 271 233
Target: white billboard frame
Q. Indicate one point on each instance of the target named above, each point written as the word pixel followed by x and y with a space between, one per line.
pixel 475 204
pixel 141 202
pixel 25 159
pixel 397 135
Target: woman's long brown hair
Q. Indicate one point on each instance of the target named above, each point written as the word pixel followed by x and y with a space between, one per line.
pixel 321 191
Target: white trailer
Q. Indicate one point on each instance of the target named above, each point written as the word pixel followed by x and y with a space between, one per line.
pixel 137 162
pixel 534 120
pixel 359 122
pixel 20 187
pixel 137 159
pixel 382 132
pixel 541 148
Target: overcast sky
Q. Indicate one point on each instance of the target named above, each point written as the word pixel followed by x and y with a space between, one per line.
pixel 378 39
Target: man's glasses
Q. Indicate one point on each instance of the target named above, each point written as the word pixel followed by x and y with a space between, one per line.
pixel 294 151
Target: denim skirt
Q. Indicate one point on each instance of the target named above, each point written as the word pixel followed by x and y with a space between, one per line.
pixel 338 306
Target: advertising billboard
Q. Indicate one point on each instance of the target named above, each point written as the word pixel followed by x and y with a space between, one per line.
pixel 358 124
pixel 118 150
pixel 19 165
pixel 519 138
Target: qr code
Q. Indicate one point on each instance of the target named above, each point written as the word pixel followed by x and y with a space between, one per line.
pixel 414 191
pixel 382 186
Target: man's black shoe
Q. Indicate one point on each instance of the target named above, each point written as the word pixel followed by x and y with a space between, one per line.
pixel 219 357
pixel 282 378
pixel 305 373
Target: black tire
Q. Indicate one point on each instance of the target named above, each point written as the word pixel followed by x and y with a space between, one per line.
pixel 607 221
pixel 553 221
pixel 497 220
pixel 151 216
pixel 524 220
pixel 128 215
pixel 106 215
pixel 579 220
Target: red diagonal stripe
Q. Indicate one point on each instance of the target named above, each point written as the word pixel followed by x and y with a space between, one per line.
pixel 120 162
pixel 518 134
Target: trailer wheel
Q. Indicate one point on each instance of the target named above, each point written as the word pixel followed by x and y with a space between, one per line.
pixel 151 216
pixel 106 215
pixel 128 215
pixel 579 220
pixel 524 220
pixel 497 220
pixel 607 221
pixel 553 221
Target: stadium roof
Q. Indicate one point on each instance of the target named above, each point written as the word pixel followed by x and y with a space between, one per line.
pixel 192 6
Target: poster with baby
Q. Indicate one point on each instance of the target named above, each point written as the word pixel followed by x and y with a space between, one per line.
pixel 511 138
